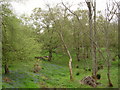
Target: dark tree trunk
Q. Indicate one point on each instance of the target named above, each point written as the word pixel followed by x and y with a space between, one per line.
pixel 87 53
pixel 78 57
pixel 109 80
pixel 6 69
pixel 78 54
pixel 50 55
pixel 119 56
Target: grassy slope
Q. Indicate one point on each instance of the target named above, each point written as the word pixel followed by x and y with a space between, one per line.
pixel 53 75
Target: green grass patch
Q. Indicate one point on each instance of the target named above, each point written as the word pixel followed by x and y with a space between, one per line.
pixel 55 74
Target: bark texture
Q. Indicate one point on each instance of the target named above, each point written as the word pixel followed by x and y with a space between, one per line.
pixel 6 69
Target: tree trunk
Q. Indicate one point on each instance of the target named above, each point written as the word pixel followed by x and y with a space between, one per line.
pixel 108 59
pixel 119 31
pixel 87 53
pixel 78 54
pixel 108 55
pixel 50 55
pixel 76 45
pixel 109 17
pixel 108 75
pixel 50 42
pixel 70 58
pixel 84 58
pixel 78 57
pixel 91 35
pixel 6 69
pixel 94 38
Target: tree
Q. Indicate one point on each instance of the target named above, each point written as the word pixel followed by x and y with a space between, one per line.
pixel 16 38
pixel 109 16
pixel 6 47
pixel 118 6
pixel 48 35
pixel 59 29
pixel 92 34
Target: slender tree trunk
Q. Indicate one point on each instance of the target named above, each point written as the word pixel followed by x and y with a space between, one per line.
pixel 109 17
pixel 6 69
pixel 84 58
pixel 50 55
pixel 50 44
pixel 119 30
pixel 77 48
pixel 87 53
pixel 78 54
pixel 108 56
pixel 92 36
pixel 70 57
pixel 108 74
pixel 108 61
pixel 95 59
pixel 68 52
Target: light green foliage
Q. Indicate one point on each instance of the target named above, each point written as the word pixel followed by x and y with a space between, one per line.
pixel 26 37
pixel 18 40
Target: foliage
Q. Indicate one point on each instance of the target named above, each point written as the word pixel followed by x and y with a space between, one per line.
pixel 18 40
pixel 24 38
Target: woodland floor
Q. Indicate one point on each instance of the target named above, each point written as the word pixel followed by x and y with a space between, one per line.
pixel 54 74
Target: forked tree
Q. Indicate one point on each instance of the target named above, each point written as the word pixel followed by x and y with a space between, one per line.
pixel 110 12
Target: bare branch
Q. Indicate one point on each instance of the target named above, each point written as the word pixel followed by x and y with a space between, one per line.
pixel 70 11
pixel 112 15
pixel 86 31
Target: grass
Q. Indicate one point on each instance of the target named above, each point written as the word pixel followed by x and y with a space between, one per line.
pixel 54 74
